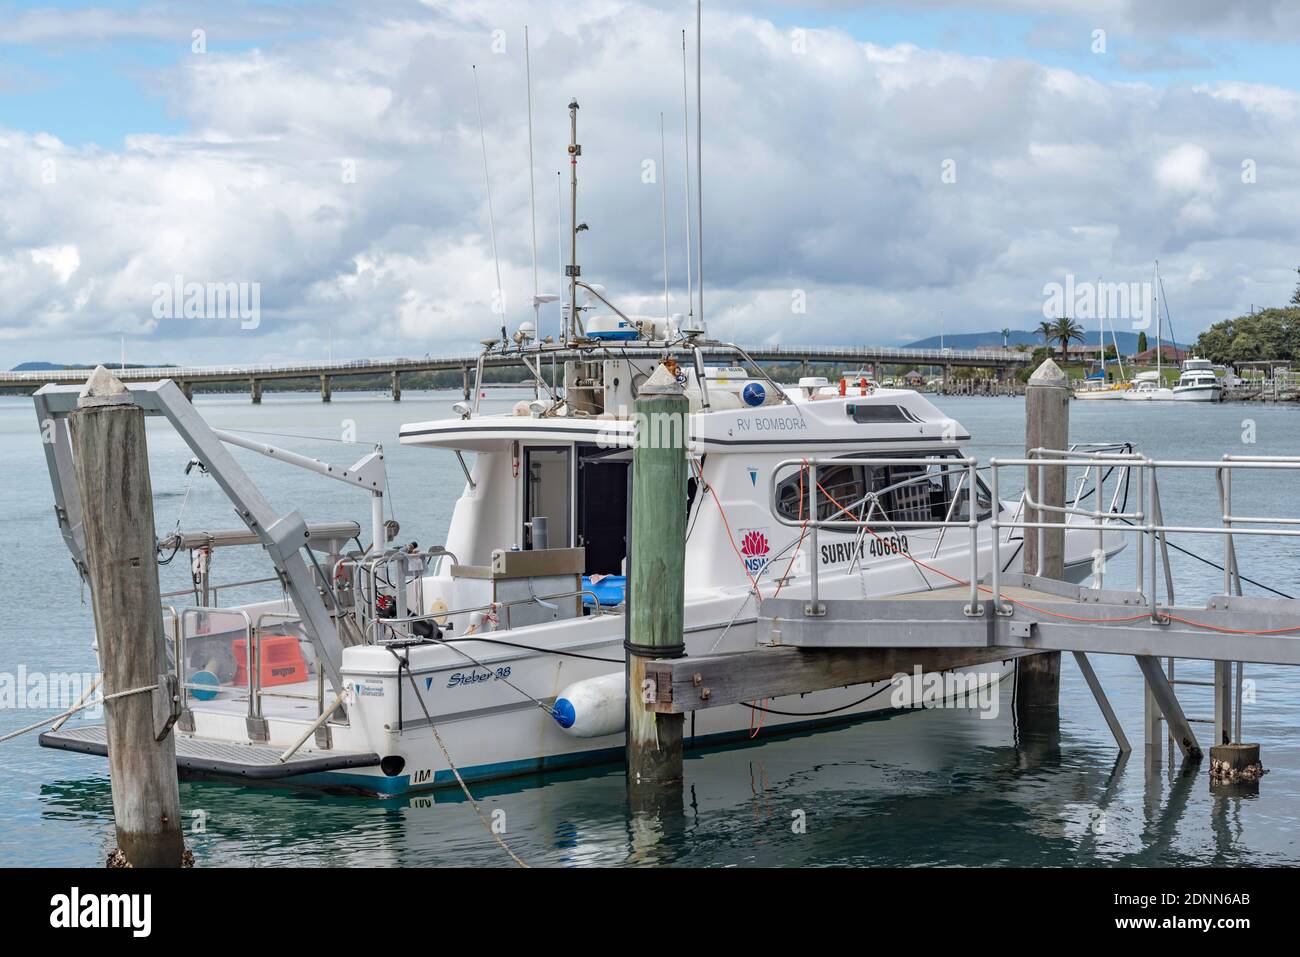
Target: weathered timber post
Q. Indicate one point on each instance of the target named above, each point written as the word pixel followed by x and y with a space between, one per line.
pixel 255 390
pixel 112 468
pixel 657 591
pixel 464 381
pixel 397 386
pixel 1047 426
pixel 325 388
pixel 187 390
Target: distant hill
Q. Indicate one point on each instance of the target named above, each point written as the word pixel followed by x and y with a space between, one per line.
pixel 55 366
pixel 974 340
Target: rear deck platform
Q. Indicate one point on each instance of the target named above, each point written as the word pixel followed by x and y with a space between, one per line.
pixel 252 761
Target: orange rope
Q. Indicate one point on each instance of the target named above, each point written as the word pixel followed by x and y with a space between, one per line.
pixel 699 473
pixel 803 530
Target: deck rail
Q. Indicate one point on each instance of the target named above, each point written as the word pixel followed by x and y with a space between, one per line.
pixel 1144 521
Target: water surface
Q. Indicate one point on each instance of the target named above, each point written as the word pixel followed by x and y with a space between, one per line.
pixel 943 787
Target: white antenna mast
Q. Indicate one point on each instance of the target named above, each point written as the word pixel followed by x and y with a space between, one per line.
pixel 699 162
pixel 686 138
pixel 663 214
pixel 559 237
pixel 532 197
pixel 487 183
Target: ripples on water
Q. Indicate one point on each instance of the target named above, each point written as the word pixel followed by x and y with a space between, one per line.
pixel 932 788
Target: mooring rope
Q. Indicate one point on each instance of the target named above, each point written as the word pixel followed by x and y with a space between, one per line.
pixel 452 764
pixel 73 710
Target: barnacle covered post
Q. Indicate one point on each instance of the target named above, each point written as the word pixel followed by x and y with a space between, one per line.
pixel 112 467
pixel 1047 426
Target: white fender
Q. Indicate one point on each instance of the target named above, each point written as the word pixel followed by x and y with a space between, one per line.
pixel 593 707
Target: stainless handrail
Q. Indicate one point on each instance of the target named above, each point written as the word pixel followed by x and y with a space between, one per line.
pixel 248 649
pixel 318 697
pixel 1145 523
pixel 216 588
pixel 490 606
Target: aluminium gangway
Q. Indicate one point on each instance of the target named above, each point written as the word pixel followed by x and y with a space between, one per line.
pixel 809 643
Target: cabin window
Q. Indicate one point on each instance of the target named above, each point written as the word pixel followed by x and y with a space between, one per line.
pixel 904 493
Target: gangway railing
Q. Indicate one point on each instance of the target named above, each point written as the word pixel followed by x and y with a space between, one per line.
pixel 1145 521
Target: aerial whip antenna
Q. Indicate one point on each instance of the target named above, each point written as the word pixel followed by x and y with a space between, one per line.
pixel 573 270
pixel 699 162
pixel 686 139
pixel 487 183
pixel 532 196
pixel 663 214
pixel 559 242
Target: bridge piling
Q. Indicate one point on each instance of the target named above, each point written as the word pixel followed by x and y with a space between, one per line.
pixel 255 391
pixel 325 389
pixel 397 386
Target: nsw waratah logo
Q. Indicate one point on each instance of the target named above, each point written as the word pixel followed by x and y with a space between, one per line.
pixel 754 546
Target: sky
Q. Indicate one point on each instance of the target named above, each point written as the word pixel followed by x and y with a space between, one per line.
pixel 872 171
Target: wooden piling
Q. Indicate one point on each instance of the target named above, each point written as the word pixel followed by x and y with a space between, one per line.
pixel 326 390
pixel 397 386
pixel 112 467
pixel 1047 426
pixel 657 593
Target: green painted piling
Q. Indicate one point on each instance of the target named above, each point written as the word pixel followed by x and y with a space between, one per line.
pixel 658 558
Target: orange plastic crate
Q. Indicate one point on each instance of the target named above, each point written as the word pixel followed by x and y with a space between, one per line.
pixel 281 662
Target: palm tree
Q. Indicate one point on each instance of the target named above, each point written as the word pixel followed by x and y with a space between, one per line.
pixel 1046 329
pixel 1006 334
pixel 1064 330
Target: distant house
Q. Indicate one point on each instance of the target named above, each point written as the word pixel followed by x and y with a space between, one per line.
pixel 1079 350
pixel 1168 353
pixel 914 378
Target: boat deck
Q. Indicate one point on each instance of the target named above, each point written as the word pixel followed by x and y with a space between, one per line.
pixel 226 758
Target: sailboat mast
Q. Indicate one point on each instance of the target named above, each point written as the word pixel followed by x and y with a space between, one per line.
pixel 1155 298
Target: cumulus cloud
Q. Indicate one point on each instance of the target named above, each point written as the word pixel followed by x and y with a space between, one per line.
pixel 339 168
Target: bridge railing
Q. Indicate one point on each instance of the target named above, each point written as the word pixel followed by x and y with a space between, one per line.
pixel 392 363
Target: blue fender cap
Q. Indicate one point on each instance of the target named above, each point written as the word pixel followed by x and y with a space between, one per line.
pixel 564 713
pixel 754 393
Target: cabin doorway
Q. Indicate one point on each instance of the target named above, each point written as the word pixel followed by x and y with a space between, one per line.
pixel 602 508
pixel 547 494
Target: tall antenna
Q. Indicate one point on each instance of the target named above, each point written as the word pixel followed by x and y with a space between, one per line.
pixel 663 214
pixel 532 197
pixel 487 183
pixel 699 161
pixel 573 269
pixel 686 138
pixel 559 242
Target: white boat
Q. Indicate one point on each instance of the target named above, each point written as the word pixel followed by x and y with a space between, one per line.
pixel 510 638
pixel 503 650
pixel 1146 387
pixel 1103 391
pixel 1198 383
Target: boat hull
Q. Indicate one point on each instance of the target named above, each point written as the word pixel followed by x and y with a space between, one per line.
pixel 1198 393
